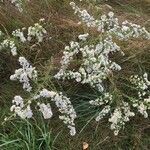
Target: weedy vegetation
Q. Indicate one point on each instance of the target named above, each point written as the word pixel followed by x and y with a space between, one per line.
pixel 74 72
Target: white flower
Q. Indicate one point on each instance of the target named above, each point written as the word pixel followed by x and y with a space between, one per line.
pixel 25 74
pixel 103 17
pixel 142 84
pixel 72 130
pixel 111 25
pixel 95 62
pixel 63 104
pixel 18 100
pixel 9 43
pixel 111 14
pixel 119 117
pixel 46 110
pixel 102 113
pixel 42 20
pixel 125 28
pixel 104 99
pixel 20 109
pixel 72 4
pixel 142 109
pixel 20 34
pixel 47 94
pixel 36 31
pixel 83 37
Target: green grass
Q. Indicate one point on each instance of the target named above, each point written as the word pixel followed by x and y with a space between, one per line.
pixel 26 136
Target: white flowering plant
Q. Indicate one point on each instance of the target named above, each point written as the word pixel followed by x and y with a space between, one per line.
pixel 96 67
pixel 89 61
pixel 27 75
pixel 29 37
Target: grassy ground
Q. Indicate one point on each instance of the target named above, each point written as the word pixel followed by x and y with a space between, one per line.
pixel 62 26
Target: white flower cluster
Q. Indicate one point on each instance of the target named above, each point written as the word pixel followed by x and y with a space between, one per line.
pixel 106 98
pixel 129 30
pixel 104 24
pixel 45 110
pixel 64 105
pixel 10 44
pixel 120 116
pixel 25 74
pixel 142 84
pixel 103 113
pixel 20 109
pixel 83 37
pixel 36 31
pixel 84 15
pixel 96 65
pixel 110 24
pixel 18 33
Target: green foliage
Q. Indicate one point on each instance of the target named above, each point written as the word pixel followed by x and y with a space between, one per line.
pixel 26 136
